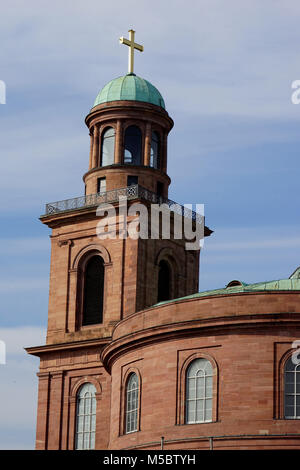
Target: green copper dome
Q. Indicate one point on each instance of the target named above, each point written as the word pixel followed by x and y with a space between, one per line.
pixel 130 87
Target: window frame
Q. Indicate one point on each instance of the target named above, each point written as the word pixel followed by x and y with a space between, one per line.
pixel 131 396
pixel 133 178
pixel 166 254
pixel 142 138
pixel 99 180
pixel 87 261
pixel 90 415
pixel 170 280
pixel 158 155
pixel 282 353
pixel 103 132
pixel 199 376
pixel 293 394
pixel 123 413
pixel 78 267
pixel 185 358
pixel 75 385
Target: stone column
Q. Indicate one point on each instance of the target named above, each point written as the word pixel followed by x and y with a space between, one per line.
pixel 164 153
pixel 73 301
pixel 118 143
pixel 72 422
pixel 91 150
pixel 55 414
pixel 147 145
pixel 43 411
pixel 95 162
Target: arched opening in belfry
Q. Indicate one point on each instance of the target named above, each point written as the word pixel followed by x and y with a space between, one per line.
pixel 108 147
pixel 155 151
pixel 164 281
pixel 133 146
pixel 93 291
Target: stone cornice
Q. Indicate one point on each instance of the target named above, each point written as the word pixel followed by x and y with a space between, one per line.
pixel 154 335
pixel 242 311
pixel 40 350
pixel 125 109
pixel 128 169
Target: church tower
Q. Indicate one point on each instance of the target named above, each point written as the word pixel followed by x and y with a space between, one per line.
pixel 96 282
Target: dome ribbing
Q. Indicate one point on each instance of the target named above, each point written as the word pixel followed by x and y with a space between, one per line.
pixel 130 87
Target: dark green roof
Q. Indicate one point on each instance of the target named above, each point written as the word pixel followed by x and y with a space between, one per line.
pixel 130 87
pixel 291 284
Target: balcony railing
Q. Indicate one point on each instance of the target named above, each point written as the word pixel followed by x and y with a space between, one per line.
pixel 131 192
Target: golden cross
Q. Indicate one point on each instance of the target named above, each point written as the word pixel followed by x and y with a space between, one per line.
pixel 132 45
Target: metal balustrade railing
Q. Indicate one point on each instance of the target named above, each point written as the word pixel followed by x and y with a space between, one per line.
pixel 131 192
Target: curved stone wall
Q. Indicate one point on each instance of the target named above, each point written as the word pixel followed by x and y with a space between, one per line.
pixel 246 336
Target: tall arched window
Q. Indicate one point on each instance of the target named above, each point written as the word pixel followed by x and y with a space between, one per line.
pixel 133 145
pixel 108 147
pixel 164 281
pixel 85 417
pixel 291 390
pixel 199 380
pixel 132 404
pixel 93 291
pixel 154 151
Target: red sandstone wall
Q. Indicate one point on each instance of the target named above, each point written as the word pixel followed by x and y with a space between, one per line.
pixel 245 400
pixel 247 337
pixel 131 275
pixel 116 177
pixel 247 343
pixel 61 374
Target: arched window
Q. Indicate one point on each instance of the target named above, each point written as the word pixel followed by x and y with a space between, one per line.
pixel 199 379
pixel 132 404
pixel 85 417
pixel 164 281
pixel 291 390
pixel 108 147
pixel 133 145
pixel 93 291
pixel 154 151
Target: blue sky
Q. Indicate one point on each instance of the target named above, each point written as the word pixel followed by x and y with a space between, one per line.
pixel 225 70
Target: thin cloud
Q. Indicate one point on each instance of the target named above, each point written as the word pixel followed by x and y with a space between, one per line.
pixel 22 336
pixel 267 244
pixel 17 285
pixel 19 246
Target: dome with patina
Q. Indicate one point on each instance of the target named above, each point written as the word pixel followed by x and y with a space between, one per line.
pixel 130 88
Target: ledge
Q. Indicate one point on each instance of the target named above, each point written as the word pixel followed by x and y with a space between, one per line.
pixel 214 314
pixel 40 350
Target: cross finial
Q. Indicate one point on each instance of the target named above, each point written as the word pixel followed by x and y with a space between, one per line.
pixel 132 45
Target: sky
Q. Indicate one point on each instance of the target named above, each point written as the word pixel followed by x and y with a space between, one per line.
pixel 225 69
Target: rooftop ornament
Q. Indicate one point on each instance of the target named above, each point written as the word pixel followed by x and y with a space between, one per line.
pixel 132 45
